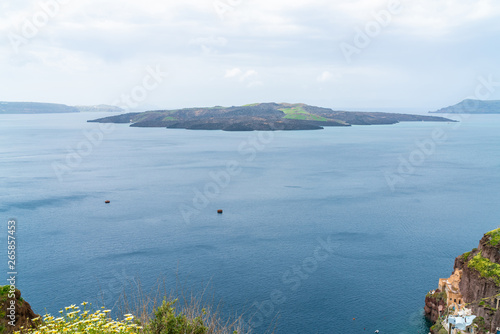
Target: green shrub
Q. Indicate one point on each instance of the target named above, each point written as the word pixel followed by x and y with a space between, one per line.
pixel 166 320
pixel 486 268
pixel 494 237
pixel 437 327
pixel 480 323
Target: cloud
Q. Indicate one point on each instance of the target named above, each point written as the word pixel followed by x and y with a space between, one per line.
pixel 232 73
pixel 288 45
pixel 255 84
pixel 249 77
pixel 238 73
pixel 248 74
pixel 324 77
pixel 212 41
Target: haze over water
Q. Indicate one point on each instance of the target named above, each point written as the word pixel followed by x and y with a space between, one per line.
pixel 294 193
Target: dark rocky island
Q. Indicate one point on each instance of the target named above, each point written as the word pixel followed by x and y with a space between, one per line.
pixel 261 116
pixel 470 106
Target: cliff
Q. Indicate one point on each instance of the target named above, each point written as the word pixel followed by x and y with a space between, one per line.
pixel 13 317
pixel 434 305
pixel 478 283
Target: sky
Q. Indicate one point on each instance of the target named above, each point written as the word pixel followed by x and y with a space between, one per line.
pixel 356 54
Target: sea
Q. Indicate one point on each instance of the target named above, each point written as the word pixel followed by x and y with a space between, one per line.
pixel 341 230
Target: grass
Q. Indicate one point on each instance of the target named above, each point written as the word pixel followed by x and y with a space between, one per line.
pixel 143 313
pixel 438 296
pixel 486 268
pixel 494 237
pixel 167 318
pixel 169 118
pixel 465 256
pixel 438 328
pixel 159 314
pixel 299 113
pixel 4 292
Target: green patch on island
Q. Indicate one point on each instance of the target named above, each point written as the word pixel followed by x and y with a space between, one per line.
pixel 215 107
pixel 486 268
pixel 494 237
pixel 299 113
pixel 169 118
pixel 251 105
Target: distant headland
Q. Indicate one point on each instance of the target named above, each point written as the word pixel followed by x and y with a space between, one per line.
pixel 470 106
pixel 262 117
pixel 51 108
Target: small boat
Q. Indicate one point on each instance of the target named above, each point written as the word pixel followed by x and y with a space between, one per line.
pixel 219 211
pixel 107 202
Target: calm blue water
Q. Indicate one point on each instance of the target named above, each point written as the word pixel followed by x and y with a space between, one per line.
pixel 385 248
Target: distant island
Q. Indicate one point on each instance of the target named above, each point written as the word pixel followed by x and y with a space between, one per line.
pixel 51 108
pixel 261 116
pixel 99 108
pixel 470 106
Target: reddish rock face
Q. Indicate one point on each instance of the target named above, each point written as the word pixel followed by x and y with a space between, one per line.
pixel 434 307
pixel 23 314
pixel 479 293
pixel 476 289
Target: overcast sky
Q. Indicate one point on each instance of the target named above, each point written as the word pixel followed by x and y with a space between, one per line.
pixel 423 54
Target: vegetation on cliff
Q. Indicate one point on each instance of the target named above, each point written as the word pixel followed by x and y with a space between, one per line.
pixel 15 312
pixel 438 328
pixel 166 319
pixel 485 267
pixel 494 237
pixel 479 285
pixel 437 296
pixel 148 315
